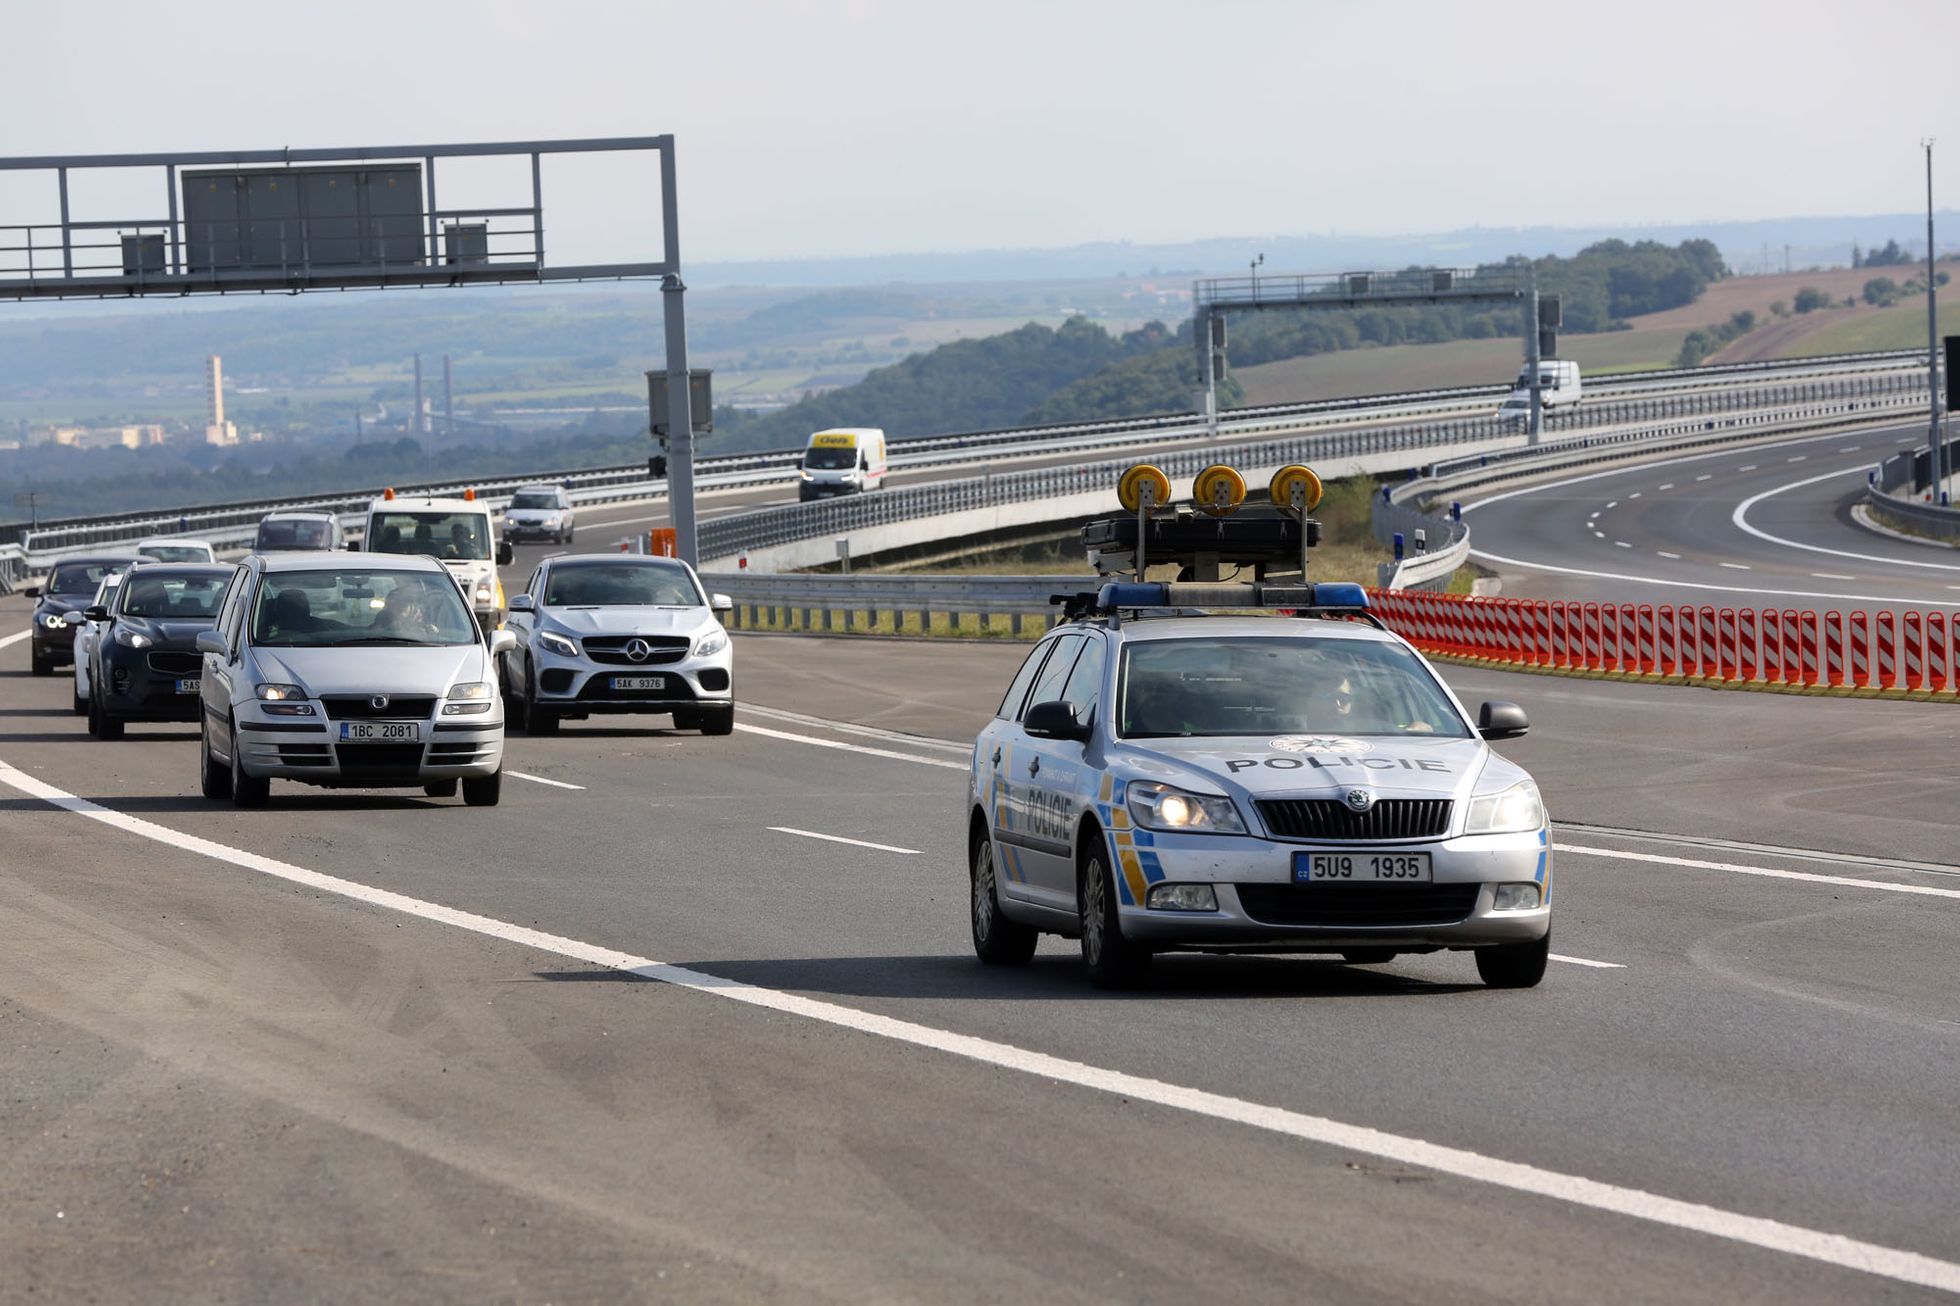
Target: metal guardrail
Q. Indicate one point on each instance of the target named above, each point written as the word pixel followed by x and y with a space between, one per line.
pixel 834 602
pixel 1432 548
pixel 1914 518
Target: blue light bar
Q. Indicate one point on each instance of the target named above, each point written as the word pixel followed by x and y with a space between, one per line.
pixel 1198 594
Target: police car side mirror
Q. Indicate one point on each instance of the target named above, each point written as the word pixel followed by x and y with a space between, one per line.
pixel 1501 720
pixel 505 553
pixel 1054 720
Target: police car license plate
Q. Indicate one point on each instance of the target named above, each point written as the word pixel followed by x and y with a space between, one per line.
pixel 187 686
pixel 381 732
pixel 639 682
pixel 1349 868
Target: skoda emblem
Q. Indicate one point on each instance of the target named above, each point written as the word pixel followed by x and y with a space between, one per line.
pixel 1359 800
pixel 379 702
pixel 638 650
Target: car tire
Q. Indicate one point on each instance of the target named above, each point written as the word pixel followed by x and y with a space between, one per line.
pixel 440 788
pixel 43 666
pixel 1514 965
pixel 997 941
pixel 537 720
pixel 100 723
pixel 568 536
pixel 213 780
pixel 81 704
pixel 485 790
pixel 247 790
pixel 1113 961
pixel 718 720
pixel 1369 956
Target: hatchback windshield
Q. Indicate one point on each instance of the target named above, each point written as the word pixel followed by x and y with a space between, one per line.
pixel 80 577
pixel 336 609
pixel 297 533
pixel 175 553
pixel 534 499
pixel 173 598
pixel 1266 686
pixel 621 584
pixel 445 535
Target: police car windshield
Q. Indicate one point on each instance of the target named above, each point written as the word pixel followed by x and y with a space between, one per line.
pixel 1177 688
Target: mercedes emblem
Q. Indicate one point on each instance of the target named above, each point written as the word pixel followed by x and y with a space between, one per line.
pixel 638 650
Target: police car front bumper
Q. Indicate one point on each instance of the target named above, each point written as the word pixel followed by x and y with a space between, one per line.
pixel 1262 907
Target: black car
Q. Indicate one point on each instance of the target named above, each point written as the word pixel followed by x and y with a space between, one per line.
pixel 145 665
pixel 71 587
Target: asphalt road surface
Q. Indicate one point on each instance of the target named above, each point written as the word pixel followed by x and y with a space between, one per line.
pixel 654 1029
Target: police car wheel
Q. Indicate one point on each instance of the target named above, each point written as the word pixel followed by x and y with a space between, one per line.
pixel 1514 965
pixel 1113 961
pixel 997 941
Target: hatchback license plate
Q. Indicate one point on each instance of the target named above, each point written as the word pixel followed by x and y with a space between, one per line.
pixel 1350 868
pixel 639 682
pixel 187 686
pixel 381 732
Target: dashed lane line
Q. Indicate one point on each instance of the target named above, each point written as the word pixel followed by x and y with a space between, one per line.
pixel 1735 566
pixel 1585 961
pixel 1575 1190
pixel 838 838
pixel 541 780
pixel 1665 554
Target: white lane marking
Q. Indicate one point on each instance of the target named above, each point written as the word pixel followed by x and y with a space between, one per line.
pixel 1799 458
pixel 1599 535
pixel 1594 517
pixel 1751 1230
pixel 1833 857
pixel 1735 566
pixel 1665 554
pixel 1706 476
pixel 1747 467
pixel 1623 544
pixel 15 638
pixel 1666 583
pixel 848 728
pixel 1832 575
pixel 850 748
pixel 838 838
pixel 1845 881
pixel 541 780
pixel 1668 486
pixel 1614 504
pixel 1583 961
pixel 1741 515
pixel 1852 449
pixel 1634 495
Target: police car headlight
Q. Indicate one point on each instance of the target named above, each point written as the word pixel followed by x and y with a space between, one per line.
pixel 1512 811
pixel 1157 806
pixel 1182 897
pixel 552 643
pixel 1514 897
pixel 713 642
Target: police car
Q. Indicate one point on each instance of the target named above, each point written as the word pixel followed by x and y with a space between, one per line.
pixel 1182 767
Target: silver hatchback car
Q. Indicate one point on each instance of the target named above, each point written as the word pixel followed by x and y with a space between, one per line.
pixel 349 671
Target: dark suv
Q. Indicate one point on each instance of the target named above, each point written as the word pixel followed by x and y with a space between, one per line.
pixel 58 605
pixel 145 665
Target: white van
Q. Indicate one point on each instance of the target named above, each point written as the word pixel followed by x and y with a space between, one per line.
pixel 843 460
pixel 457 533
pixel 1558 386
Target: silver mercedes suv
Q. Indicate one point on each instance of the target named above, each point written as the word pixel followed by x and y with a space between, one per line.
pixel 349 671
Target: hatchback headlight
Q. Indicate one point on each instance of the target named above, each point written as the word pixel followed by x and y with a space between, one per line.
pixel 468 698
pixel 713 642
pixel 273 692
pixel 555 643
pixel 1509 811
pixel 131 639
pixel 1157 806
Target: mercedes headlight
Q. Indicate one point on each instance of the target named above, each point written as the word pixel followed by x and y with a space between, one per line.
pixel 551 642
pixel 1509 811
pixel 713 642
pixel 131 639
pixel 1157 806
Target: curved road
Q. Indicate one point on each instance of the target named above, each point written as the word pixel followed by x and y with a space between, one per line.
pixel 441 1074
pixel 1758 525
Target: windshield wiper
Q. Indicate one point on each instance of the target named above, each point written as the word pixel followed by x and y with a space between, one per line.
pixel 376 639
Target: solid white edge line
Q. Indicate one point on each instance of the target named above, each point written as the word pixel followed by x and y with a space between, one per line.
pixel 1845 881
pixel 852 728
pixel 1741 514
pixel 838 838
pixel 15 638
pixel 540 780
pixel 1756 1231
pixel 851 748
pixel 1584 961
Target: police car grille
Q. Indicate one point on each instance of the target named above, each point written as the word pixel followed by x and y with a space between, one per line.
pixel 1330 818
pixel 1358 904
pixel 611 649
pixel 401 707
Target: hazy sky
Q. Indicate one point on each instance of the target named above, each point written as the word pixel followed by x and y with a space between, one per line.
pixel 839 127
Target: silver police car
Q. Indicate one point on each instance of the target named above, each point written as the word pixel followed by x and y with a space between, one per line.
pixel 1157 781
pixel 349 670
